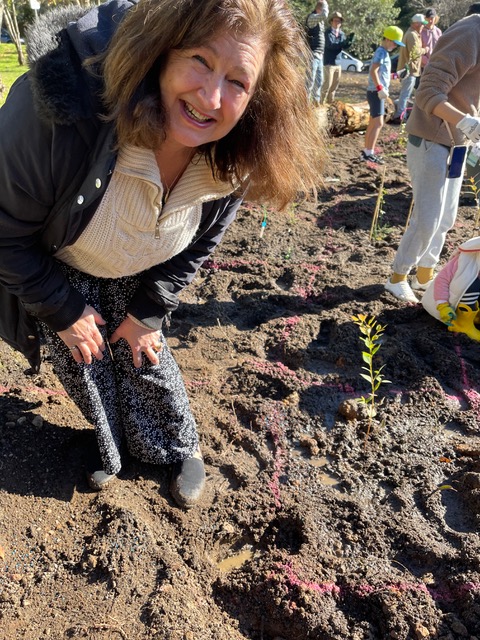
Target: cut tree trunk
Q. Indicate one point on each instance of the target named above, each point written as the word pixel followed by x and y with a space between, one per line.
pixel 340 117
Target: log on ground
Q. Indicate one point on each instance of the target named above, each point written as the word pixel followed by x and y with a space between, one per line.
pixel 340 117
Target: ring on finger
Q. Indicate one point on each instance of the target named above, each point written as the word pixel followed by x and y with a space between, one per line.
pixel 157 347
pixel 73 348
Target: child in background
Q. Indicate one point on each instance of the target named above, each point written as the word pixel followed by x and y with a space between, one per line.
pixel 453 295
pixel 377 90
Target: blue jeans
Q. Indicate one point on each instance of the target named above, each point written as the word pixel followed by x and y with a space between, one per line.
pixel 408 84
pixel 315 79
pixel 435 207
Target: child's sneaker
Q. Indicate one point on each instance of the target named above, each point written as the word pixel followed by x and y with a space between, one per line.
pixel 371 157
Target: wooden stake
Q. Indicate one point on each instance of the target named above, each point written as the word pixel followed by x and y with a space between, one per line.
pixel 409 214
pixel 378 203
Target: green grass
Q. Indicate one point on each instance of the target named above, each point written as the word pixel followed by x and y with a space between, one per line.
pixel 9 68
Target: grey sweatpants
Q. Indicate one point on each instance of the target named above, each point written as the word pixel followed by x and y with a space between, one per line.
pixel 435 207
pixel 147 409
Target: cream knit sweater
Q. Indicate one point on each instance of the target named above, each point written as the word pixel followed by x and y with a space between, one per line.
pixel 131 231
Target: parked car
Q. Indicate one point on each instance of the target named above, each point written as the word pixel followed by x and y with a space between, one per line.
pixel 5 37
pixel 348 62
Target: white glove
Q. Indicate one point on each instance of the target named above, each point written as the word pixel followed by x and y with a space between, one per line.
pixel 382 94
pixel 470 127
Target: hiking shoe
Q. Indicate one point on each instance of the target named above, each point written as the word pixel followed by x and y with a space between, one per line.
pixel 371 157
pixel 418 286
pixel 98 480
pixel 401 290
pixel 188 481
pixel 396 120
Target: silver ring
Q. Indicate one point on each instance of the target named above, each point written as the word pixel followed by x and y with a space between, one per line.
pixel 73 348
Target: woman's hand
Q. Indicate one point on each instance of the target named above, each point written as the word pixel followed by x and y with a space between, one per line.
pixel 83 338
pixel 140 339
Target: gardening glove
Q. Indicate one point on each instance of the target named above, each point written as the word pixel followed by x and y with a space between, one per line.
pixel 470 127
pixel 382 94
pixel 447 313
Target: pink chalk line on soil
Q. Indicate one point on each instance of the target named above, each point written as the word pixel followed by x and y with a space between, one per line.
pixel 472 395
pixel 278 370
pixel 446 593
pixel 274 424
pixel 289 324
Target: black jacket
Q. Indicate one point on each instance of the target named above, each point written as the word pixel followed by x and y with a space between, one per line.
pixel 334 45
pixel 56 157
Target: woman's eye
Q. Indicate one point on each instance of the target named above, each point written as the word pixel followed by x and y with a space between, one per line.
pixel 201 59
pixel 238 83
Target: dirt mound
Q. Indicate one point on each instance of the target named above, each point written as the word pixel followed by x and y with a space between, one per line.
pixel 306 530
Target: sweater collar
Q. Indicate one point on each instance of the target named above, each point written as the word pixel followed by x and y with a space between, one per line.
pixel 196 185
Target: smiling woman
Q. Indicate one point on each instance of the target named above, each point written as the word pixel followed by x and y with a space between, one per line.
pixel 276 142
pixel 146 124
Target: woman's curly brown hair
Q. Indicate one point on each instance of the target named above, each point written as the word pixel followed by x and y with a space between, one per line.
pixel 277 143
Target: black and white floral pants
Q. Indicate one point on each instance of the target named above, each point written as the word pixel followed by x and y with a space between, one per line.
pixel 146 409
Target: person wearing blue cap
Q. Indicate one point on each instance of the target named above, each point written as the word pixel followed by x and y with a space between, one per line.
pixel 377 90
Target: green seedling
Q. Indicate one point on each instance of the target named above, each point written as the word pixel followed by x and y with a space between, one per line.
pixel 476 194
pixel 371 333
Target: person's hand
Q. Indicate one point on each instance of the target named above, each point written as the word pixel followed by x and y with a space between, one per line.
pixel 447 313
pixel 470 127
pixel 141 339
pixel 382 94
pixel 83 338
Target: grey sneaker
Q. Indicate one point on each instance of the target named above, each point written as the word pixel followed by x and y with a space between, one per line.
pixel 418 286
pixel 188 481
pixel 401 290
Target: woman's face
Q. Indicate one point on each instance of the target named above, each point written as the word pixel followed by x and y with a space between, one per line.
pixel 206 90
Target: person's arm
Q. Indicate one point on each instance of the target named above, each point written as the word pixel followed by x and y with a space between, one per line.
pixel 441 284
pixel 448 112
pixel 453 62
pixel 28 195
pixel 374 67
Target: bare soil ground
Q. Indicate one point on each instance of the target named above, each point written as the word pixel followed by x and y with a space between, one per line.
pixel 305 530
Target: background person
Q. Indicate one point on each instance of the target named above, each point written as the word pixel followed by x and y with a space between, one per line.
pixel 445 113
pixel 335 42
pixel 429 35
pixel 410 59
pixel 377 90
pixel 316 41
pixel 143 125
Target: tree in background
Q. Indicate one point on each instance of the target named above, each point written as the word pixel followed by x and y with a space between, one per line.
pixel 449 11
pixel 8 16
pixel 365 18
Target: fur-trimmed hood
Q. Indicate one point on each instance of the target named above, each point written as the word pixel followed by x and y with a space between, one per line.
pixel 57 45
